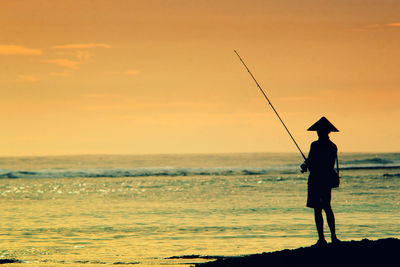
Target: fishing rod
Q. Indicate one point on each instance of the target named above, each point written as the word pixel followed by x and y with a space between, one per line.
pixel 269 102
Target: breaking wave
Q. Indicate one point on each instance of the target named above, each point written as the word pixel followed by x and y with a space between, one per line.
pixel 372 163
pixel 170 172
pixel 375 160
pixel 136 172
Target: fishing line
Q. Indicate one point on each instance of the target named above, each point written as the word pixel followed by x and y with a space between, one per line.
pixel 269 102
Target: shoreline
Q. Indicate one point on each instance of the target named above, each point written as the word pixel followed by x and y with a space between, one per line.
pixel 366 253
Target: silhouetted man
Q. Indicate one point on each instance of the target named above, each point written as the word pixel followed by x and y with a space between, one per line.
pixel 323 177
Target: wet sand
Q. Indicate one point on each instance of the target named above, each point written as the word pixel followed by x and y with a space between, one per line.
pixel 366 253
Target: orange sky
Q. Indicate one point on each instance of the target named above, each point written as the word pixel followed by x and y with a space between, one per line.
pixel 149 76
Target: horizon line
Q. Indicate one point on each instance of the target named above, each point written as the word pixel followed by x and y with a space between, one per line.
pixel 177 153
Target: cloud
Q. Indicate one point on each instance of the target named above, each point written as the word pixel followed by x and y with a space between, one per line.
pixel 131 72
pixel 27 78
pixel 382 26
pixel 81 55
pixel 18 50
pixel 64 62
pixel 84 55
pixel 394 24
pixel 81 46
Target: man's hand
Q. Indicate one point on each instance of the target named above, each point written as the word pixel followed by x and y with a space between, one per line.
pixel 303 167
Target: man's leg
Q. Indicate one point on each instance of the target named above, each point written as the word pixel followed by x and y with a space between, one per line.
pixel 319 223
pixel 330 217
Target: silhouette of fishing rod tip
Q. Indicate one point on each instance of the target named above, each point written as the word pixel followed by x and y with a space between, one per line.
pixel 269 102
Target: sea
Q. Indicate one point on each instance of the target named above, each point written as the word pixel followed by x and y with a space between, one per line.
pixel 181 209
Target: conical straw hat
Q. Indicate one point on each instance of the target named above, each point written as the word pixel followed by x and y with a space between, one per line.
pixel 323 125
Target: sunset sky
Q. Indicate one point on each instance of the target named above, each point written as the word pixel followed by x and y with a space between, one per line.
pixel 132 77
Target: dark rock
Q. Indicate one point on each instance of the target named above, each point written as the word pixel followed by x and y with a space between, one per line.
pixel 5 261
pixel 365 253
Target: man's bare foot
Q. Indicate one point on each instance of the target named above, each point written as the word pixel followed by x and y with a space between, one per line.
pixel 320 243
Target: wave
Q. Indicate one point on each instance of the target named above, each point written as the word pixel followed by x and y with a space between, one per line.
pixel 171 172
pixel 369 161
pixel 373 163
pixel 370 167
pixel 137 172
pixel 389 175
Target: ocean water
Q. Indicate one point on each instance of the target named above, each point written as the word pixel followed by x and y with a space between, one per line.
pixel 143 209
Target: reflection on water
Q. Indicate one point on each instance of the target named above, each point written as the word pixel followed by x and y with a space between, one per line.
pixel 144 220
